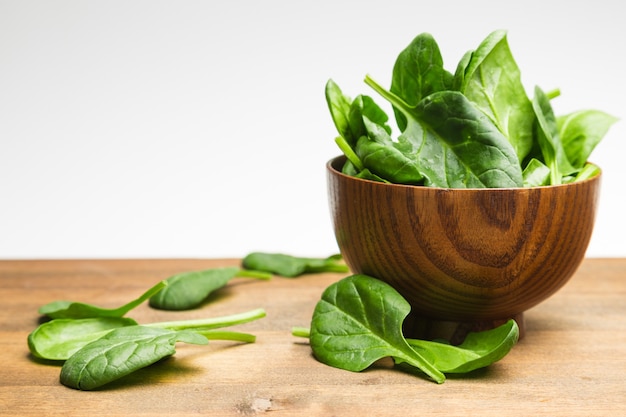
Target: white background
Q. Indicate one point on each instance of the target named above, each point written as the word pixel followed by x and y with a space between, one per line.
pixel 199 128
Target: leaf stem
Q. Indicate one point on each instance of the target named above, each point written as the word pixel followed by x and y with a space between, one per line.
pixel 349 152
pixel 228 335
pixel 251 273
pixel 145 296
pixel 301 331
pixel 553 93
pixel 211 323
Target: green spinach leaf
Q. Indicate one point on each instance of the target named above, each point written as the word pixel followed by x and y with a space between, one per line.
pixel 339 107
pixel 387 159
pixel 359 321
pixel 448 133
pixel 292 266
pixel 581 131
pixel 59 339
pixel 189 289
pixel 120 353
pixel 536 174
pixel 74 310
pixel 417 73
pixel 478 350
pixel 548 138
pixel 490 78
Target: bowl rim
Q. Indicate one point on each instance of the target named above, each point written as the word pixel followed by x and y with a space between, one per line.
pixel 331 168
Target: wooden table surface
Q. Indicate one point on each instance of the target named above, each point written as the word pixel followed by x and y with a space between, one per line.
pixel 572 361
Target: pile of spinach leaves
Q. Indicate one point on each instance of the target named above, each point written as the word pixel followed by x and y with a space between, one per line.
pixel 97 345
pixel 475 128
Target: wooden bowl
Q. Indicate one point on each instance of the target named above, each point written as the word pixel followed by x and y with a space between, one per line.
pixel 465 259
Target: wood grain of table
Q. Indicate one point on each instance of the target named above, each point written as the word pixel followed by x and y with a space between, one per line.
pixel 572 361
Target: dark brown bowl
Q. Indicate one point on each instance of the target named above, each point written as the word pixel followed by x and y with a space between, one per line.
pixel 475 256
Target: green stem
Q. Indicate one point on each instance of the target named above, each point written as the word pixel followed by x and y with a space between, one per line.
pixel 349 152
pixel 121 311
pixel 330 268
pixel 553 93
pixel 555 176
pixel 301 332
pixel 211 323
pixel 250 273
pixel 388 95
pixel 227 335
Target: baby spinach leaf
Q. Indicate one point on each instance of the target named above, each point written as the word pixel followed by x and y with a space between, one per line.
pixel 339 107
pixel 490 78
pixel 588 171
pixel 387 159
pixel 478 350
pixel 74 310
pixel 447 132
pixel 417 73
pixel 359 321
pixel 120 353
pixel 548 138
pixel 292 266
pixel 59 339
pixel 365 107
pixel 536 174
pixel 581 131
pixel 189 289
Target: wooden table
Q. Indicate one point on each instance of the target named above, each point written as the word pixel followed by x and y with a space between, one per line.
pixel 572 361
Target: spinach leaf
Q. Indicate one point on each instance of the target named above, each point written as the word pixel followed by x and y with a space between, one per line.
pixel 120 353
pixel 359 321
pixel 348 118
pixel 292 266
pixel 365 107
pixel 588 171
pixel 548 138
pixel 581 131
pixel 189 289
pixel 59 339
pixel 339 107
pixel 387 159
pixel 490 78
pixel 478 350
pixel 74 310
pixel 536 174
pixel 456 144
pixel 417 73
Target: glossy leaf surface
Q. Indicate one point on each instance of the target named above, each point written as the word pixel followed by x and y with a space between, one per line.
pixel 120 353
pixel 60 338
pixel 478 350
pixel 359 321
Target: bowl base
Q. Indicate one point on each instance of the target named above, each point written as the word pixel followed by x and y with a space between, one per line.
pixel 417 327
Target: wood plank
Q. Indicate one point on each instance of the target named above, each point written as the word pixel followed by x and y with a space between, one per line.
pixel 572 361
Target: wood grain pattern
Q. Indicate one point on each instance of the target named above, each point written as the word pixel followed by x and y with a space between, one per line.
pixel 459 254
pixel 571 363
